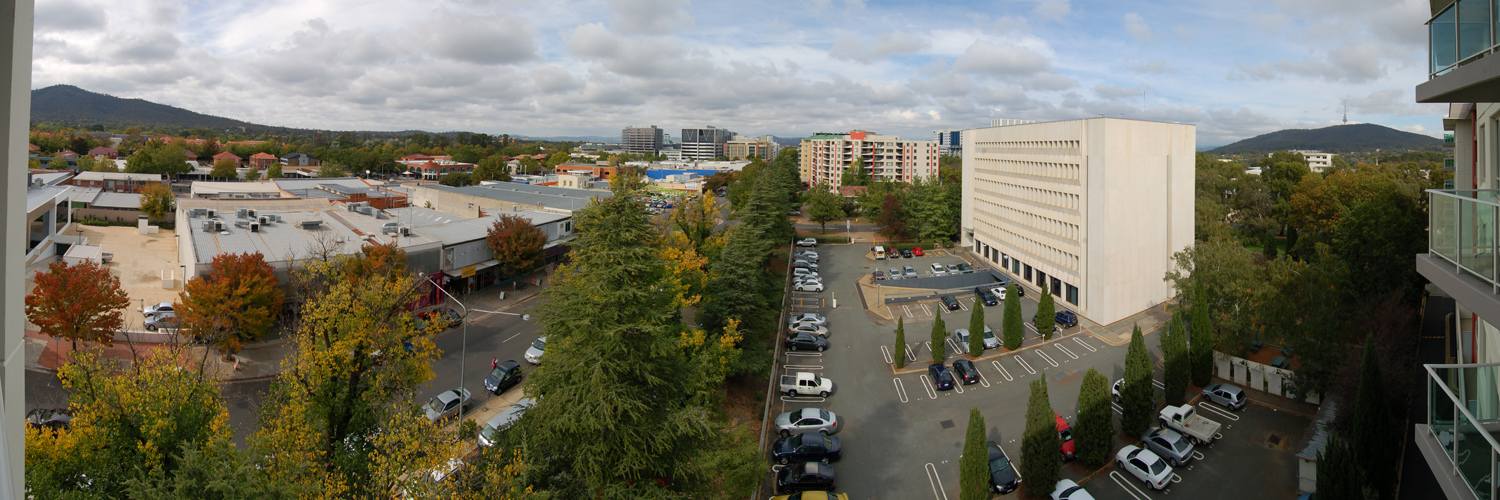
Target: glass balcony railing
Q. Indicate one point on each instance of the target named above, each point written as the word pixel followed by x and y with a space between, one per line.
pixel 1461 33
pixel 1463 230
pixel 1463 413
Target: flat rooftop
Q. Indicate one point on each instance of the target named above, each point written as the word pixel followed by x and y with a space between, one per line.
pixel 454 229
pixel 287 239
pixel 543 196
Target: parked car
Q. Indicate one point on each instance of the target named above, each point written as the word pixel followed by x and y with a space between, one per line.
pixel 446 404
pixel 806 264
pixel 805 384
pixel 942 379
pixel 1168 444
pixel 896 274
pixel 893 253
pixel 998 292
pixel 1187 422
pixel 807 242
pixel 807 420
pixel 917 251
pixel 949 302
pixel 153 309
pixel 1065 437
pixel 1115 388
pixel 534 353
pixel 1064 319
pixel 966 371
pixel 985 296
pixel 803 341
pixel 907 254
pixel 162 319
pixel 938 270
pixel 1003 476
pixel 497 424
pixel 910 272
pixel 1068 490
pixel 965 268
pixel 808 286
pixel 952 268
pixel 961 337
pixel 821 331
pixel 504 376
pixel 813 495
pixel 802 271
pixel 806 447
pixel 805 477
pixel 807 254
pixel 1144 465
pixel 50 419
pixel 1226 395
pixel 814 318
pixel 879 275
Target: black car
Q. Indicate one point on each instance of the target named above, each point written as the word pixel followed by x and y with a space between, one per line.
pixel 949 302
pixel 806 447
pixel 965 268
pixel 1065 319
pixel 966 371
pixel 985 296
pixel 52 419
pixel 804 341
pixel 1002 474
pixel 906 253
pixel 942 379
pixel 811 476
pixel 503 377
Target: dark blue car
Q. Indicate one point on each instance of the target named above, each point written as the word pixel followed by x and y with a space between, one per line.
pixel 806 447
pixel 941 377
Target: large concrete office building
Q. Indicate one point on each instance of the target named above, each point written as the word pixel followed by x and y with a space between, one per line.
pixel 641 139
pixel 1088 210
pixel 705 143
pixel 825 157
pixel 949 142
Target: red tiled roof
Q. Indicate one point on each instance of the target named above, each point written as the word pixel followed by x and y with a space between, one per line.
pixel 852 190
pixel 190 154
pixel 101 150
pixel 263 156
pixel 416 156
pixel 226 154
pixel 32 147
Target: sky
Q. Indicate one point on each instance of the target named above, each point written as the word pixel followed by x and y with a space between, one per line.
pixel 546 68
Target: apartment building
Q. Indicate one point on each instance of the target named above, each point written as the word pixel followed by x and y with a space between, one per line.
pixel 641 139
pixel 739 148
pixel 1317 161
pixel 1088 210
pixel 1463 393
pixel 705 143
pixel 825 157
pixel 949 142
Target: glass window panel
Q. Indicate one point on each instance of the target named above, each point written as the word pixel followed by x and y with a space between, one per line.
pixel 1444 39
pixel 1473 27
pixel 1477 228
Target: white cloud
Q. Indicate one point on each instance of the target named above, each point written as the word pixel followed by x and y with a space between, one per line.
pixel 1136 26
pixel 1055 10
pixel 852 48
pixel 484 39
pixel 650 17
pixel 1354 63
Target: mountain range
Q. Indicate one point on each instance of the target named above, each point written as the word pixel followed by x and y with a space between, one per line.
pixel 1343 139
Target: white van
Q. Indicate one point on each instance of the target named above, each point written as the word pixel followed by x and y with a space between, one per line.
pixel 879 253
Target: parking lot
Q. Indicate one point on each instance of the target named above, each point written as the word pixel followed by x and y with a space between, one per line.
pixel 902 438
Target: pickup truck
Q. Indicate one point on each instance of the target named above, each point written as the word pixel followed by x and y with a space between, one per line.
pixel 1183 420
pixel 806 384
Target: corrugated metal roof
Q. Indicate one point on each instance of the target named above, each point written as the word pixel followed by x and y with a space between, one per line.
pixel 117 200
pixel 542 196
pixel 1316 436
pixel 286 240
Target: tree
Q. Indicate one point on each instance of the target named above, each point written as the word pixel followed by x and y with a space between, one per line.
pixel 1203 339
pixel 974 466
pixel 696 221
pixel 238 301
pixel 77 302
pixel 224 168
pixel 1136 395
pixel 491 168
pixel 332 169
pixel 939 349
pixel 105 165
pixel 893 218
pixel 517 244
pixel 1012 320
pixel 455 179
pixel 33 164
pixel 252 175
pixel 1046 316
pixel 1094 435
pixel 900 347
pixel 157 201
pixel 86 163
pixel 1231 283
pixel 1175 357
pixel 274 172
pixel 976 330
pixel 823 205
pixel 930 211
pixel 1339 475
pixel 1371 435
pixel 856 174
pixel 57 163
pixel 1040 443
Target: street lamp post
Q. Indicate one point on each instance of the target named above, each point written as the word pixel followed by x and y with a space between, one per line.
pixel 464 353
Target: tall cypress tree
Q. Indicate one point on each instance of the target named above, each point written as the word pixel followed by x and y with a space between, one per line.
pixel 1371 439
pixel 1203 338
pixel 1175 354
pixel 1135 397
pixel 1039 445
pixel 939 349
pixel 1339 476
pixel 976 330
pixel 974 467
pixel 1012 320
pixel 1046 316
pixel 900 353
pixel 1094 435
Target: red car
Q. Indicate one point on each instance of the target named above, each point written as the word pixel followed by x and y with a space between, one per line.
pixel 917 251
pixel 1065 434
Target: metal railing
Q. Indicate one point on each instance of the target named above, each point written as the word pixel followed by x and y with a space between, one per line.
pixel 1463 410
pixel 1462 231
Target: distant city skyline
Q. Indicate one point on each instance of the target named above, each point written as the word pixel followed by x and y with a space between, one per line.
pixel 589 68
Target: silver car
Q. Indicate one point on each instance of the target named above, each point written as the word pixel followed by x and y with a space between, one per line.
pixel 1170 445
pixel 491 431
pixel 1225 395
pixel 162 319
pixel 534 353
pixel 446 404
pixel 911 272
pixel 961 336
pixel 813 318
pixel 821 331
pixel 807 420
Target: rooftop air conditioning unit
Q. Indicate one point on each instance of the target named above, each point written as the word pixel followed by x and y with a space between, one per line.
pixel 255 227
pixel 218 225
pixel 242 224
pixel 213 213
pixel 405 231
pixel 311 224
pixel 263 220
pixel 240 213
pixel 208 226
pixel 250 213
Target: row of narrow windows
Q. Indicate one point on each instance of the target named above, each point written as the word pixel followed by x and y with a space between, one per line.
pixel 1059 199
pixel 1028 144
pixel 1049 253
pixel 1044 224
pixel 1037 168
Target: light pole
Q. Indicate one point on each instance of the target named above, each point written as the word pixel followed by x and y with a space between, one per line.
pixel 463 354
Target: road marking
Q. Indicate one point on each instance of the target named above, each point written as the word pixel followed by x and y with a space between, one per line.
pixel 1025 365
pixel 1044 356
pixel 982 380
pixel 803 399
pixel 1219 412
pixel 1117 407
pixel 1033 329
pixel 1158 384
pixel 1217 436
pixel 888 311
pixel 908 311
pixel 511 337
pixel 927 384
pixel 900 389
pixel 926 309
pixel 958 385
pixel 1176 478
pixel 954 346
pixel 1125 483
pixel 961 305
pixel 885 352
pixel 910 355
pixel 935 481
pixel 1197 455
pixel 1066 351
pixel 1003 371
pixel 1085 344
pixel 803 367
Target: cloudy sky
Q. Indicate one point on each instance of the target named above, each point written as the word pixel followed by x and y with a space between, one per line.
pixel 788 68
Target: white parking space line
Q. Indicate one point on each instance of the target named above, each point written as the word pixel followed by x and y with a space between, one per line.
pixel 1066 351
pixel 910 355
pixel 908 311
pixel 958 385
pixel 961 305
pixel 803 367
pixel 885 352
pixel 1158 384
pixel 803 399
pixel 1217 411
pixel 935 481
pixel 982 380
pixel 900 389
pixel 1176 478
pixel 1033 329
pixel 926 310
pixel 1003 371
pixel 1127 484
pixel 1117 408
pixel 1049 359
pixel 1085 344
pixel 1197 455
pixel 927 384
pixel 1025 365
pixel 958 349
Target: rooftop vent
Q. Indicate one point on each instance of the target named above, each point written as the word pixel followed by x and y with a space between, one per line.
pixel 250 213
pixel 208 226
pixel 263 220
pixel 311 224
pixel 255 227
pixel 240 213
pixel 241 224
pixel 213 213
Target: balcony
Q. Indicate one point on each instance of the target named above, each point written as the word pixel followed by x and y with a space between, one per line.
pixel 1460 37
pixel 1458 441
pixel 1447 140
pixel 1448 164
pixel 1462 251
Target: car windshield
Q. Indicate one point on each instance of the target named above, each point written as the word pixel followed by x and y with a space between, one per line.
pixel 823 414
pixel 1180 445
pixel 488 433
pixel 540 344
pixel 1157 467
pixel 436 402
pixel 1065 435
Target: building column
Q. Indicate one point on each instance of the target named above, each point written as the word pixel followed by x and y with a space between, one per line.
pixel 16 31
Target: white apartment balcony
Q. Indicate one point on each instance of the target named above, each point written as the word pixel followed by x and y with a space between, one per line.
pixel 1462 256
pixel 1461 34
pixel 1458 439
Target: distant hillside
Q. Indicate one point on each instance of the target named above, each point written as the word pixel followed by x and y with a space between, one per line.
pixel 1356 138
pixel 69 105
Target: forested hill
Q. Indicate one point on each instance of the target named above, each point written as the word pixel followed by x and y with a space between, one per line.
pixel 69 105
pixel 1354 138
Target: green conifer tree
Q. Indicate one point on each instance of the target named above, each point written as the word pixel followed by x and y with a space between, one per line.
pixel 1135 398
pixel 1039 445
pixel 1371 436
pixel 900 353
pixel 939 332
pixel 976 330
pixel 1046 316
pixel 973 467
pixel 1202 340
pixel 1012 321
pixel 1094 435
pixel 1175 358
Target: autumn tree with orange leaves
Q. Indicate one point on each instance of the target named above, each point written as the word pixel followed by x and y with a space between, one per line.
pixel 77 302
pixel 517 244
pixel 237 302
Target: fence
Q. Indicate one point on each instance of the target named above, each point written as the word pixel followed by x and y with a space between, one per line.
pixel 1256 376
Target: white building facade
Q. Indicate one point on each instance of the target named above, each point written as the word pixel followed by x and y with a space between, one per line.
pixel 1088 210
pixel 825 157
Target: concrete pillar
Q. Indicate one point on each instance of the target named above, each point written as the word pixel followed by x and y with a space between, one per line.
pixel 15 71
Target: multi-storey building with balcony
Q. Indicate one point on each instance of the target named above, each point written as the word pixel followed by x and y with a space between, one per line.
pixel 1088 210
pixel 705 143
pixel 1457 438
pixel 825 157
pixel 641 139
pixel 1317 161
pixel 763 147
pixel 949 142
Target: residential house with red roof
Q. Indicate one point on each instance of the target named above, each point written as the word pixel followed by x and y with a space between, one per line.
pixel 110 153
pixel 67 154
pixel 263 160
pixel 230 156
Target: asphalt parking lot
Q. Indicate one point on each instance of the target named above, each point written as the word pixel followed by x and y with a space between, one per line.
pixel 902 439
